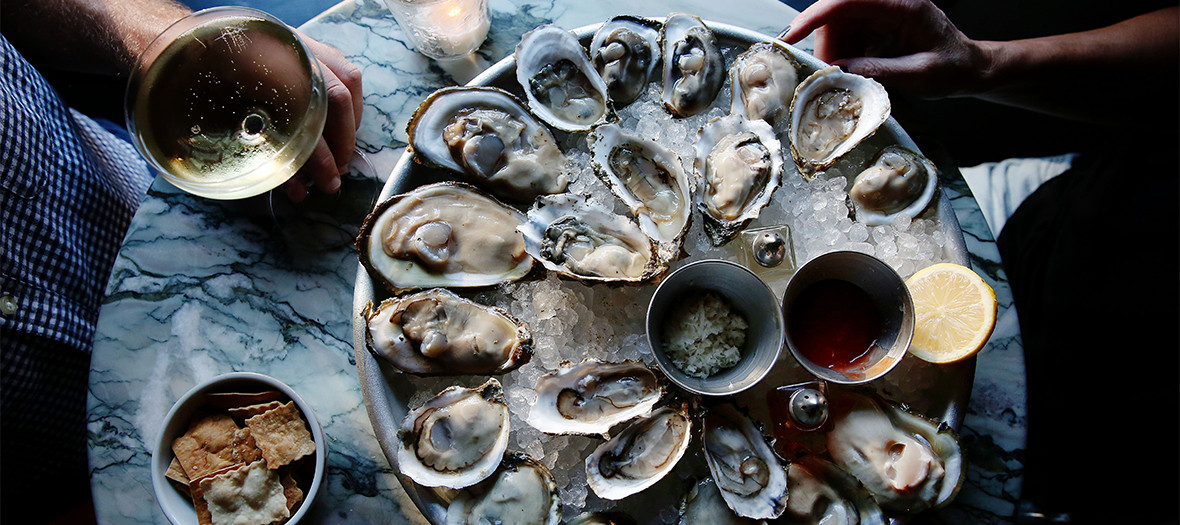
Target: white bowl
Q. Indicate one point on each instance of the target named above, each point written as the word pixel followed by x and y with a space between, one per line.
pixel 176 505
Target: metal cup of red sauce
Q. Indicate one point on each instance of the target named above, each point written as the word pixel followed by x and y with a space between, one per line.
pixel 848 316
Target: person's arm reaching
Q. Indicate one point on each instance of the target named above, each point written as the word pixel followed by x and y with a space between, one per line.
pixel 912 45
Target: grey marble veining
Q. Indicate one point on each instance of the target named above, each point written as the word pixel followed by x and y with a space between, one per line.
pixel 204 287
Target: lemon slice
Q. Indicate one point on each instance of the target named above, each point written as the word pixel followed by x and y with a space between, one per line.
pixel 954 312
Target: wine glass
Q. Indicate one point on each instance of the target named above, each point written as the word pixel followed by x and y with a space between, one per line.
pixel 226 103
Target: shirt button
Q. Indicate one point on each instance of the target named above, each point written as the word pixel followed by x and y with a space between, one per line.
pixel 7 304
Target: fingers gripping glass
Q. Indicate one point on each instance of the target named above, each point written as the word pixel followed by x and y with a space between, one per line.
pixel 226 103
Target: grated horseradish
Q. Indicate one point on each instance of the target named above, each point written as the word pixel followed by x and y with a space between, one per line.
pixel 705 336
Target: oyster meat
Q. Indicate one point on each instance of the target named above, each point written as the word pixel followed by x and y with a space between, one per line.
pixel 626 51
pixel 831 112
pixel 704 504
pixel 739 164
pixel 436 332
pixel 694 69
pixel 762 81
pixel 906 462
pixel 447 234
pixel 455 439
pixel 562 87
pixel 647 177
pixel 899 182
pixel 752 480
pixel 579 239
pixel 593 396
pixel 641 454
pixel 486 134
pixel 822 493
pixel 521 491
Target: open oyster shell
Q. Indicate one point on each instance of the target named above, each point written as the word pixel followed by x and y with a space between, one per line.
pixel 648 178
pixel 577 238
pixel 561 85
pixel 762 83
pixel 822 493
pixel 704 504
pixel 752 480
pixel 831 112
pixel 592 396
pixel 626 52
pixel 898 182
pixel 739 164
pixel 694 69
pixel 521 490
pixel 436 332
pixel 486 134
pixel 641 454
pixel 455 439
pixel 447 234
pixel 905 461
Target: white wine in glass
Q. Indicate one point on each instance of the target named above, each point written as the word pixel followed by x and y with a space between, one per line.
pixel 226 103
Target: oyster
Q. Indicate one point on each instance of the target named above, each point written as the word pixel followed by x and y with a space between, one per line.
pixel 899 182
pixel 436 332
pixel 704 504
pixel 647 177
pixel 560 83
pixel 752 480
pixel 579 239
pixel 626 51
pixel 593 396
pixel 640 455
pixel 831 112
pixel 443 234
pixel 907 463
pixel 455 439
pixel 488 136
pixel 601 518
pixel 521 491
pixel 694 69
pixel 762 81
pixel 822 493
pixel 739 163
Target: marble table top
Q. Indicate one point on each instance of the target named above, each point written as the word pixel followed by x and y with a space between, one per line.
pixel 204 287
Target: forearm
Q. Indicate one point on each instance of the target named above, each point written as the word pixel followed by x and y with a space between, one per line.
pixel 1092 75
pixel 100 36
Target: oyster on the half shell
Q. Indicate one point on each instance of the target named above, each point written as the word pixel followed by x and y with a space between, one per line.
pixel 520 491
pixel 752 480
pixel 648 178
pixel 486 134
pixel 626 51
pixel 455 439
pixel 899 182
pixel 694 70
pixel 739 165
pixel 447 234
pixel 592 396
pixel 576 238
pixel 436 332
pixel 641 454
pixel 561 84
pixel 823 494
pixel 704 504
pixel 762 82
pixel 831 112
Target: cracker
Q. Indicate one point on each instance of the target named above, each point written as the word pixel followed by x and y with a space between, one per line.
pixel 198 496
pixel 291 490
pixel 176 473
pixel 282 435
pixel 213 443
pixel 250 494
pixel 253 410
pixel 226 400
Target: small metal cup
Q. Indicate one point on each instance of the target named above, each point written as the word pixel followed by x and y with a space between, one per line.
pixel 887 291
pixel 747 294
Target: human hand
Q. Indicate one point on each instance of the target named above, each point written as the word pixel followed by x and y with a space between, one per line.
pixel 907 44
pixel 333 152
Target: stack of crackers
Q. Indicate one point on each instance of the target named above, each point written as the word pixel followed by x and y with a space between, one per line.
pixel 243 457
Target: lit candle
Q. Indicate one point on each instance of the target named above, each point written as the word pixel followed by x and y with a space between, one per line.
pixel 442 29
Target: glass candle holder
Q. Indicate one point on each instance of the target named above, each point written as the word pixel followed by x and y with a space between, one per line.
pixel 442 29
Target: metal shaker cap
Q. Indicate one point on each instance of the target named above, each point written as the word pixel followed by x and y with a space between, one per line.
pixel 808 409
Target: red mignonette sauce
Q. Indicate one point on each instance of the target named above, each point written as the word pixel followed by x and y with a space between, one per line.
pixel 834 324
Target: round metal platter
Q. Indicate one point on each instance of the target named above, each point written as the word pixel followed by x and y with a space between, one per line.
pixel 387 392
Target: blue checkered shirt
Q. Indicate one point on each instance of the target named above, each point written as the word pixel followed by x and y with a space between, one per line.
pixel 68 190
